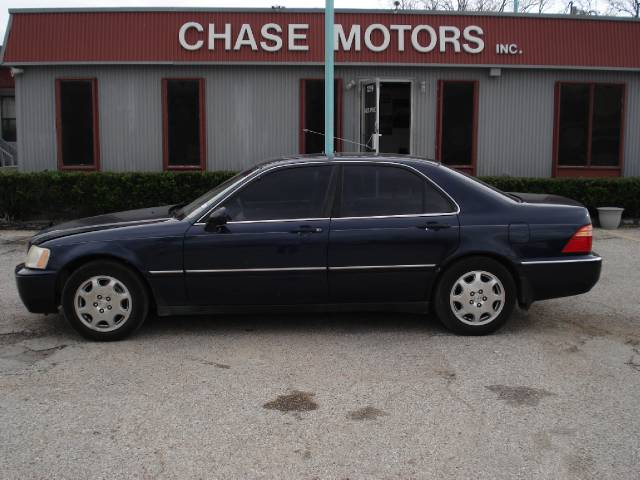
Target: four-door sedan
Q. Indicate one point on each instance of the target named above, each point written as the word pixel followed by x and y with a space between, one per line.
pixel 353 232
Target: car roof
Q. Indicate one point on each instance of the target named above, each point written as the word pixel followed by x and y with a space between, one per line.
pixel 347 157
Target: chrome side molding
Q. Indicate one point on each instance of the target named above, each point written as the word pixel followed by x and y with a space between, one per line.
pixel 293 269
pixel 562 260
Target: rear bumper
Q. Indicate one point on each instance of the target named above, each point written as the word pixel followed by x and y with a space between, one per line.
pixel 37 289
pixel 546 278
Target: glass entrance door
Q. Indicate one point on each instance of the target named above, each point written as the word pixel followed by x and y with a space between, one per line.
pixel 386 117
pixel 369 121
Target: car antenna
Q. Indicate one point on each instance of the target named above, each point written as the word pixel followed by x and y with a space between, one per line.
pixel 306 130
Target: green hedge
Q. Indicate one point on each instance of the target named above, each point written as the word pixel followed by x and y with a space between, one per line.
pixel 591 192
pixel 57 195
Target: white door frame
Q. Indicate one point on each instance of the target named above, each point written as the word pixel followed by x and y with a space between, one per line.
pixel 379 81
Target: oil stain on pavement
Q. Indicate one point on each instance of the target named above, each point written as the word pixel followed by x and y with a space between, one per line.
pixel 296 401
pixel 366 413
pixel 519 396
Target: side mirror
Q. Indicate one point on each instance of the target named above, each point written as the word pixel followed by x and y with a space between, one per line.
pixel 218 219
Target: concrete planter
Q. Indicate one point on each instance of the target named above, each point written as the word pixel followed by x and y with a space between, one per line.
pixel 610 217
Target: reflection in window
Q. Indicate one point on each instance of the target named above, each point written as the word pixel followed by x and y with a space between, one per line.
pixel 457 123
pixel 76 114
pixel 369 190
pixel 298 192
pixel 590 124
pixel 183 122
pixel 313 119
pixel 8 116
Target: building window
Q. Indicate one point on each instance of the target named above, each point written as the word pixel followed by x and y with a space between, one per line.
pixel 312 115
pixel 8 116
pixel 457 124
pixel 184 124
pixel 589 126
pixel 77 124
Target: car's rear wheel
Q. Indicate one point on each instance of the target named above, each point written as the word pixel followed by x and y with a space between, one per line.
pixel 104 300
pixel 475 296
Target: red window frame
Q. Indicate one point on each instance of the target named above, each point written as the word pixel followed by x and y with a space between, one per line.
pixel 338 126
pixel 202 130
pixel 470 169
pixel 587 170
pixel 95 166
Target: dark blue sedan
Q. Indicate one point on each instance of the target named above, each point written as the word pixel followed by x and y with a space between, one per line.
pixel 353 232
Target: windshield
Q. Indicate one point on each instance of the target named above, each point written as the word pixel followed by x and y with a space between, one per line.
pixel 191 207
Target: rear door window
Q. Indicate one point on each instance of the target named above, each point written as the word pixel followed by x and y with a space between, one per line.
pixel 384 190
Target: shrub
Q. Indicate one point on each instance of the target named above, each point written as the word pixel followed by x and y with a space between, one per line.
pixel 63 195
pixel 591 192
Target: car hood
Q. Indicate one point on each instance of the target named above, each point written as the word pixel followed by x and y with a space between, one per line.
pixel 546 199
pixel 107 221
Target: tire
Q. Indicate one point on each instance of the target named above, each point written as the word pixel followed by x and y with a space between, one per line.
pixel 462 302
pixel 105 301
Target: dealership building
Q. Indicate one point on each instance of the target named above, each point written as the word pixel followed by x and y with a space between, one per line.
pixel 204 89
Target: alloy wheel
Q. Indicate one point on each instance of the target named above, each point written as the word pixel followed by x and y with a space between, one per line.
pixel 477 297
pixel 102 303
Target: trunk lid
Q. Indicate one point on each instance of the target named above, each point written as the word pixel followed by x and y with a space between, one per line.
pixel 546 198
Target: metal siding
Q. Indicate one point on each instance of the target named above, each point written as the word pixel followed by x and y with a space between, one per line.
pixel 632 128
pixel 515 114
pixel 36 118
pixel 253 114
pixel 515 125
pixel 130 119
pixel 151 37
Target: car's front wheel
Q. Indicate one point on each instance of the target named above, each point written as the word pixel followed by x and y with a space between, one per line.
pixel 104 300
pixel 475 296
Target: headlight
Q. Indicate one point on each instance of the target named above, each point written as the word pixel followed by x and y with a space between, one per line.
pixel 37 258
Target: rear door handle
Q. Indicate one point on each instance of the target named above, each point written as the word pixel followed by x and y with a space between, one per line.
pixel 434 226
pixel 307 229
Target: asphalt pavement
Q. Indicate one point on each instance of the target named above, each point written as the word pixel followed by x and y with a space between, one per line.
pixel 553 395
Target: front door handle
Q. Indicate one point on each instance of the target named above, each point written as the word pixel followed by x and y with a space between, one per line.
pixel 434 226
pixel 307 229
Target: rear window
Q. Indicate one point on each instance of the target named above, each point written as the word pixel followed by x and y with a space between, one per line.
pixel 486 186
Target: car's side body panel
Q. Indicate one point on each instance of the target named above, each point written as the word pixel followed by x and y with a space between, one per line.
pixel 388 259
pixel 148 247
pixel 377 260
pixel 556 277
pixel 257 263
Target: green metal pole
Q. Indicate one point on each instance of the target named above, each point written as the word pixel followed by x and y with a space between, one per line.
pixel 515 6
pixel 328 79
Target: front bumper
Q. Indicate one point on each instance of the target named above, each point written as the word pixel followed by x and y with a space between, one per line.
pixel 37 289
pixel 546 278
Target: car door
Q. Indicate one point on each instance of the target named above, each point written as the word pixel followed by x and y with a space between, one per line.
pixel 391 228
pixel 272 250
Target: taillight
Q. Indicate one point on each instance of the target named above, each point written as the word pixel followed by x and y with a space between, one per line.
pixel 581 241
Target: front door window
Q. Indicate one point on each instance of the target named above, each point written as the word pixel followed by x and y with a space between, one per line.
pixel 274 246
pixel 288 193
